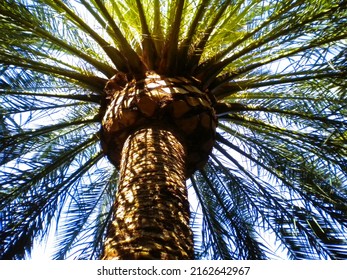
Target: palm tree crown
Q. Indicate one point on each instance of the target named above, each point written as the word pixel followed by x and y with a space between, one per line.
pixel 274 71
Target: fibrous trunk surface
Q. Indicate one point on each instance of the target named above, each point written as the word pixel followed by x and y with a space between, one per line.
pixel 158 130
pixel 177 103
pixel 151 219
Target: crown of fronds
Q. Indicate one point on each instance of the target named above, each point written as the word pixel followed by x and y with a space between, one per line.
pixel 276 70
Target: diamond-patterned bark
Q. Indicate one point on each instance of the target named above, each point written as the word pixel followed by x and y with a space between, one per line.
pixel 177 103
pixel 151 211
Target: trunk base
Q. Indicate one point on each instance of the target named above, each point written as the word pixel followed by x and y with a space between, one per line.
pixel 151 219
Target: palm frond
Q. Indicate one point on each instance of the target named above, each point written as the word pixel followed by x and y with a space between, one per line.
pixel 227 221
pixel 274 71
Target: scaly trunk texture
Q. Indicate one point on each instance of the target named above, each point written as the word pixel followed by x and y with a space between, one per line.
pixel 151 219
pixel 158 130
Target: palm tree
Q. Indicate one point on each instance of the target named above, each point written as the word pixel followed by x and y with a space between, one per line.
pixel 151 81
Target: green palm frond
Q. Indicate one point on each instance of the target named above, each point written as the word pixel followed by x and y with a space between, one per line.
pixel 275 72
pixel 227 221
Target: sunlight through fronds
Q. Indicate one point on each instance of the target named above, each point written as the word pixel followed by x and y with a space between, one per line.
pixel 275 72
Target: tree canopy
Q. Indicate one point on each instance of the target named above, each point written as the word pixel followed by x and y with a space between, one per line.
pixel 276 71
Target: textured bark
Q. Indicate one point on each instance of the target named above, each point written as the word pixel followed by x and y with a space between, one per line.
pixel 175 102
pixel 151 218
pixel 158 130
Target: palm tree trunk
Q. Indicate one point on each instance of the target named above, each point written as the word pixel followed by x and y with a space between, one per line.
pixel 151 211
